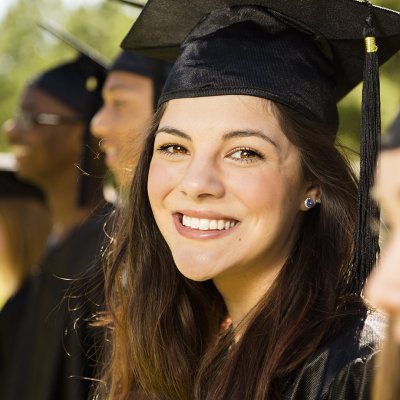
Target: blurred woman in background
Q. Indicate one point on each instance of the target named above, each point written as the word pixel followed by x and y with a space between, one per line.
pixel 24 228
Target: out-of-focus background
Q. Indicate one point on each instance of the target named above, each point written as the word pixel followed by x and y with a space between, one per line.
pixel 26 49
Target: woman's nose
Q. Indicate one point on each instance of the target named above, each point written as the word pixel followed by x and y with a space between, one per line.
pixel 202 179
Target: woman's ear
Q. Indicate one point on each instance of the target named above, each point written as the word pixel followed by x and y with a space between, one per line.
pixel 312 196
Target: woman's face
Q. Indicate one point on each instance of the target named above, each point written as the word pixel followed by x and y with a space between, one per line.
pixel 225 186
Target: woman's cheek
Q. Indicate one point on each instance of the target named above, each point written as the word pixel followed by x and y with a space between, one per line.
pixel 162 180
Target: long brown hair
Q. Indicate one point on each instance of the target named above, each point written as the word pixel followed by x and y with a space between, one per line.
pixel 165 336
pixel 27 224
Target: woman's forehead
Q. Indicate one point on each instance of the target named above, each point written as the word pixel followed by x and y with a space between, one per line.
pixel 218 110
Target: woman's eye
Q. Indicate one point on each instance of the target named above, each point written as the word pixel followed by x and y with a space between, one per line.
pixel 172 149
pixel 245 154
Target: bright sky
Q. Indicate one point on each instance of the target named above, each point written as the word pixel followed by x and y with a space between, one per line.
pixel 5 4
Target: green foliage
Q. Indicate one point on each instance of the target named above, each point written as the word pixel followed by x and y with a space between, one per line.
pixel 26 49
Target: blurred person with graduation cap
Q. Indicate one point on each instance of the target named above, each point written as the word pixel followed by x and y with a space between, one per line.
pixel 130 94
pixel 24 228
pixel 383 287
pixel 54 148
pixel 244 261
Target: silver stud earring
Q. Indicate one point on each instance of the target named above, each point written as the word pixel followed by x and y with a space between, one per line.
pixel 309 203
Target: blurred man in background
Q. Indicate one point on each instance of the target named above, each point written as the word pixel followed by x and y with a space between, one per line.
pixel 131 91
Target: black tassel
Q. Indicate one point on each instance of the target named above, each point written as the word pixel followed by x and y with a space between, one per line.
pixel 366 237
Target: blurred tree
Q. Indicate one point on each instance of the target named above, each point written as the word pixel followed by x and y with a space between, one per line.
pixel 25 49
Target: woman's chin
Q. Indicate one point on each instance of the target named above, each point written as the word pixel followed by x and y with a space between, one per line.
pixel 193 272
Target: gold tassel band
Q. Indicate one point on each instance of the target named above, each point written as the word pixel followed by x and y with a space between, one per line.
pixel 370 44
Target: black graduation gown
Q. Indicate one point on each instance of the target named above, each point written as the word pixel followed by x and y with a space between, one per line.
pixel 10 320
pixel 342 368
pixel 53 346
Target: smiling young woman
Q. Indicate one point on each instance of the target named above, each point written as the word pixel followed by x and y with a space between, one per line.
pixel 232 277
pixel 257 271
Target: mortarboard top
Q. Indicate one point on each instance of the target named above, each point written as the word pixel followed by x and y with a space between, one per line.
pixel 392 138
pixel 335 26
pixel 306 55
pixel 135 63
pixel 132 3
pixel 154 68
pixel 11 186
pixel 76 83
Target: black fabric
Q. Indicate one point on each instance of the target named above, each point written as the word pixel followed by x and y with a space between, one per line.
pixel 248 50
pixel 10 325
pixel 11 186
pixel 77 84
pixel 366 235
pixel 54 344
pixel 392 138
pixel 152 68
pixel 164 24
pixel 342 369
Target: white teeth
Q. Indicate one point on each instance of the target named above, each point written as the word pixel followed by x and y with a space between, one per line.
pixel 193 222
pixel 204 224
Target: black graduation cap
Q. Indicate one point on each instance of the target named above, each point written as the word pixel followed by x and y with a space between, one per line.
pixel 132 3
pixel 335 27
pixel 155 69
pixel 306 55
pixel 78 84
pixel 11 186
pixel 392 138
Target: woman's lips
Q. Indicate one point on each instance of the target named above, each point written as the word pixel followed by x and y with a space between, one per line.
pixel 203 228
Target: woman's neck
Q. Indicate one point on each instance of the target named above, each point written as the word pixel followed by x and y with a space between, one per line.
pixel 243 291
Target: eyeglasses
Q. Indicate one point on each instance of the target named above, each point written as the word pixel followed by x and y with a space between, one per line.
pixel 28 121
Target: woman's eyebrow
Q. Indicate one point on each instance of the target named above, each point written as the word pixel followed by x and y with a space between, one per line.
pixel 249 133
pixel 174 131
